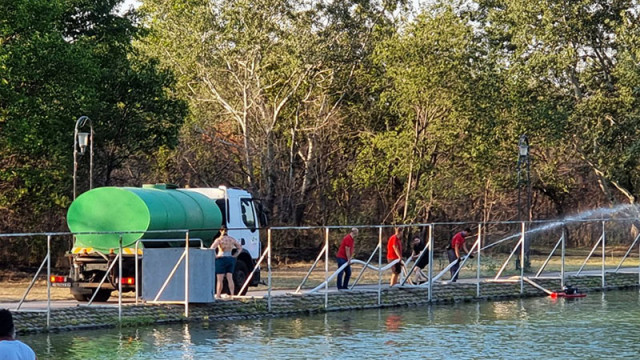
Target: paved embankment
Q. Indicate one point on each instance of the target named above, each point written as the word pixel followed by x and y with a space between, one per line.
pixel 83 317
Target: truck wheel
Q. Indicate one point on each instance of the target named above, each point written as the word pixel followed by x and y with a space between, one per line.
pixel 240 276
pixel 103 295
pixel 80 297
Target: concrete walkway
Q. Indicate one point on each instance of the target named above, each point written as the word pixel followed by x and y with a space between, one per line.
pixel 69 315
pixel 41 306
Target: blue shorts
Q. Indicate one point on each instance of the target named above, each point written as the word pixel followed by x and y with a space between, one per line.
pixel 225 264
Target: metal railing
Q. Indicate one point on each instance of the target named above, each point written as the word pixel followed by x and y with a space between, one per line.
pixel 517 247
pixel 509 244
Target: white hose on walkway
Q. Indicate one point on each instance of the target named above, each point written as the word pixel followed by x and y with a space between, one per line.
pixel 353 261
pixel 536 285
pixel 384 268
pixel 437 277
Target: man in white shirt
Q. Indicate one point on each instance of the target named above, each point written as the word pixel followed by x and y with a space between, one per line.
pixel 10 348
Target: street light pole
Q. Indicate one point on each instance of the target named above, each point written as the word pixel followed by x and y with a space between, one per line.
pixel 80 142
pixel 524 162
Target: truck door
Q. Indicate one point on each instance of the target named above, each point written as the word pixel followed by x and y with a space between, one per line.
pixel 243 224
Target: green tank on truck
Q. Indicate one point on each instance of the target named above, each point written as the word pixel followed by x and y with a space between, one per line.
pixel 155 215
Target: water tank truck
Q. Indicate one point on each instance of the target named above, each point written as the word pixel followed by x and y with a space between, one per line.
pixel 149 217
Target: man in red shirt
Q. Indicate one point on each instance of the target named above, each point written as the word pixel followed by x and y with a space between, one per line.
pixel 343 256
pixel 394 251
pixel 453 251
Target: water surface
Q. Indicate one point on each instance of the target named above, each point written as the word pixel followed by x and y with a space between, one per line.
pixel 602 325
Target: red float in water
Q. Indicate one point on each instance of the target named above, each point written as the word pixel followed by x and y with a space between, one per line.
pixel 555 295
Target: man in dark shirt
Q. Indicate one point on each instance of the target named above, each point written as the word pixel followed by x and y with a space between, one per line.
pixel 421 258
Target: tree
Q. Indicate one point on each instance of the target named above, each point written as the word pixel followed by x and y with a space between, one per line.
pixel 44 81
pixel 267 81
pixel 444 93
pixel 59 60
pixel 570 57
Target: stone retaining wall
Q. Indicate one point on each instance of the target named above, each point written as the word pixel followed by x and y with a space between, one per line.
pixel 83 317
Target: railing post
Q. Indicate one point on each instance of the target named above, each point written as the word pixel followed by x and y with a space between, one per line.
pixel 269 270
pixel 380 266
pixel 48 281
pixel 166 281
pixel 584 263
pixel 33 281
pixel 366 265
pixel 120 279
pixel 137 271
pixel 107 273
pixel 430 291
pixel 258 263
pixel 478 261
pixel 626 254
pixel 186 275
pixel 604 240
pixel 326 268
pixel 546 262
pixel 522 260
pixel 306 277
pixel 563 256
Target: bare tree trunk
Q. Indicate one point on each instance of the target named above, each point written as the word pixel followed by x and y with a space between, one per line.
pixel 406 197
pixel 488 204
pixel 414 149
pixel 602 183
pixel 247 157
pixel 309 161
pixel 271 176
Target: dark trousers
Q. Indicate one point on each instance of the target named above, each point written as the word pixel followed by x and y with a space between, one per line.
pixel 452 257
pixel 343 284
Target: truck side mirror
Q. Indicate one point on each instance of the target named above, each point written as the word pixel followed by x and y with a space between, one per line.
pixel 262 215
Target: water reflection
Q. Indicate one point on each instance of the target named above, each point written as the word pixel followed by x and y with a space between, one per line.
pixel 600 325
pixel 393 322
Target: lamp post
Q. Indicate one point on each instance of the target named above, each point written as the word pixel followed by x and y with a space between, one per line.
pixel 80 142
pixel 524 180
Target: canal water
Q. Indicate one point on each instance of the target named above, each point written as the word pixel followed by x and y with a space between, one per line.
pixel 602 325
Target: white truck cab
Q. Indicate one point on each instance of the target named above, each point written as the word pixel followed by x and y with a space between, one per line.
pixel 239 214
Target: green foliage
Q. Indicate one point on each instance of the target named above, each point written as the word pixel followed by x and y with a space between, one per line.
pixel 267 82
pixel 401 120
pixel 568 63
pixel 60 60
pixel 444 114
pixel 340 111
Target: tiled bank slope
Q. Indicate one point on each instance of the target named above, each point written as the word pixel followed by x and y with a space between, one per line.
pixel 96 317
